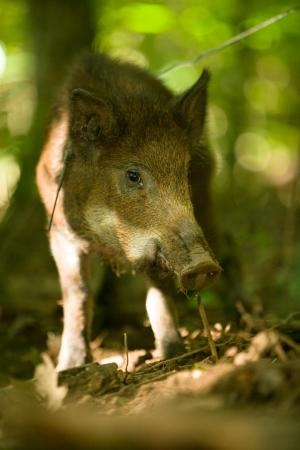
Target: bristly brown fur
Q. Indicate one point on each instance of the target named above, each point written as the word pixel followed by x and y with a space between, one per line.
pixel 136 188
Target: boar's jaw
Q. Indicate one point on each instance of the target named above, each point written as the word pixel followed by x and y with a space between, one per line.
pixel 140 248
pixel 163 262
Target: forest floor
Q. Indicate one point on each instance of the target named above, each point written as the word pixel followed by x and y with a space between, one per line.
pixel 247 398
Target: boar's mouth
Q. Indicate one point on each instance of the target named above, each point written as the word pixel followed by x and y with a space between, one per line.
pixel 190 278
pixel 158 265
pixel 193 275
pixel 163 262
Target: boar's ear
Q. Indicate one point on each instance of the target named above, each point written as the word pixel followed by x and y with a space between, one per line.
pixel 190 107
pixel 92 118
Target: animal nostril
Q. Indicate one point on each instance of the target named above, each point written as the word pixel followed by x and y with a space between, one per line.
pixel 191 276
pixel 212 274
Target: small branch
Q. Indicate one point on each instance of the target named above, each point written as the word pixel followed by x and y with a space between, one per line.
pixel 237 38
pixel 280 353
pixel 287 340
pixel 60 183
pixel 166 362
pixel 203 316
pixel 246 316
pixel 159 377
pixel 126 357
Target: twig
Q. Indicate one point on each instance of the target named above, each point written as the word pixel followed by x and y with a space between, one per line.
pixel 60 183
pixel 287 340
pixel 222 344
pixel 269 324
pixel 156 378
pixel 246 316
pixel 126 357
pixel 175 359
pixel 231 41
pixel 286 322
pixel 203 316
pixel 280 352
pixel 290 316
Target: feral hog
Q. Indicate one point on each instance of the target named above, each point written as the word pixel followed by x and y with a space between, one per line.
pixel 135 190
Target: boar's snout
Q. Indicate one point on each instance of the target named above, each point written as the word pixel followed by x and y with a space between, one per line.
pixel 196 265
pixel 201 276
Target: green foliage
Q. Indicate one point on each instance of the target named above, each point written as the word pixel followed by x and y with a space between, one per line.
pixel 146 18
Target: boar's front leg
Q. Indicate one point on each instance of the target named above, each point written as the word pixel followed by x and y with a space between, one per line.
pixel 161 313
pixel 72 264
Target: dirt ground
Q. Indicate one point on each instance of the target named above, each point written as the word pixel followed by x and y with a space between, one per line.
pixel 241 391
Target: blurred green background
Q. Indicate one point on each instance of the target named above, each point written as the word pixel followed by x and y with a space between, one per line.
pixel 253 128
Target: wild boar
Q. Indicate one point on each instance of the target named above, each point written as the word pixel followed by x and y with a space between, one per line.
pixel 136 190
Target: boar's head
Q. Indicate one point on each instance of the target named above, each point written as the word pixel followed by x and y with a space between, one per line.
pixel 127 188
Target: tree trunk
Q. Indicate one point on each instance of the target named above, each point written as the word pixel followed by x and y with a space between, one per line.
pixel 60 31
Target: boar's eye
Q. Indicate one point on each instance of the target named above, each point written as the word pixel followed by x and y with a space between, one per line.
pixel 134 179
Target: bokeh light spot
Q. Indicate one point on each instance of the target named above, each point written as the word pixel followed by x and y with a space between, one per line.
pixel 273 69
pixel 252 152
pixel 2 59
pixel 147 18
pixel 262 94
pixel 282 166
pixel 9 176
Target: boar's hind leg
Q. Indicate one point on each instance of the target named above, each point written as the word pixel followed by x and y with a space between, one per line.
pixel 72 266
pixel 160 311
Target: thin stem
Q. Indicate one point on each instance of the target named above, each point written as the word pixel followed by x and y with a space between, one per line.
pixel 237 38
pixel 126 357
pixel 203 316
pixel 61 180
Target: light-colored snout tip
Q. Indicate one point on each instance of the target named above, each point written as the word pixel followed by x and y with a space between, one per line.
pixel 199 277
